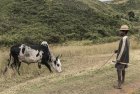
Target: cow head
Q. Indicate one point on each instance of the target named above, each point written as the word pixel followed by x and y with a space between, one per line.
pixel 44 43
pixel 56 64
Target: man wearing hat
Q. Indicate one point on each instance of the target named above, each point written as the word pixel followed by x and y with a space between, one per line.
pixel 122 55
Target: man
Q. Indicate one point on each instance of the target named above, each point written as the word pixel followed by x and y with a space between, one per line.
pixel 122 55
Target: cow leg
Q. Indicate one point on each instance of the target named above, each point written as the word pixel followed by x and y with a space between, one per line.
pixel 12 66
pixel 10 61
pixel 39 65
pixel 5 70
pixel 119 72
pixel 15 65
pixel 49 67
pixel 18 64
pixel 18 67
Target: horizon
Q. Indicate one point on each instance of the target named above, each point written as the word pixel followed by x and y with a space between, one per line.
pixel 105 0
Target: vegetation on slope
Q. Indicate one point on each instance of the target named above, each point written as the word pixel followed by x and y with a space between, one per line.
pixel 55 21
pixel 127 6
pixel 129 10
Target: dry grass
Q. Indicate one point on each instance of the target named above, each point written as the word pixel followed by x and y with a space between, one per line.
pixel 79 74
pixel 137 92
pixel 85 50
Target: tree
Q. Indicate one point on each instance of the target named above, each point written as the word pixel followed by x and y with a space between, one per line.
pixel 131 15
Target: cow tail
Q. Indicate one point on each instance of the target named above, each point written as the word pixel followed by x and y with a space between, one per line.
pixel 9 60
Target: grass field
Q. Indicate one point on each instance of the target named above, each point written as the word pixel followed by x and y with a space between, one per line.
pixel 80 72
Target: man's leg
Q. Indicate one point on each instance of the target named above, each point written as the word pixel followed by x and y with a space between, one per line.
pixel 119 72
pixel 123 76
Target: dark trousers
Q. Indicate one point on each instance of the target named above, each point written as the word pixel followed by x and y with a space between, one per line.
pixel 121 73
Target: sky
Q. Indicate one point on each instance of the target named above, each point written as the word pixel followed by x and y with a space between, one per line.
pixel 105 0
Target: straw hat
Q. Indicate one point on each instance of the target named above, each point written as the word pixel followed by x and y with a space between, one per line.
pixel 124 28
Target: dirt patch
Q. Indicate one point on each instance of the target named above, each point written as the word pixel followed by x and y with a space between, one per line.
pixel 126 89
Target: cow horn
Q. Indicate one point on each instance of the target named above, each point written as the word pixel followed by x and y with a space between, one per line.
pixel 59 56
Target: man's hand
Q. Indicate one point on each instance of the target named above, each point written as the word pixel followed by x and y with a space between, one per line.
pixel 117 61
pixel 116 51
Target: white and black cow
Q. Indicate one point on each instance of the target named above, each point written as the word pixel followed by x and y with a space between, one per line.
pixel 33 54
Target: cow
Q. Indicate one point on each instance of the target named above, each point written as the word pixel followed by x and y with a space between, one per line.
pixel 33 54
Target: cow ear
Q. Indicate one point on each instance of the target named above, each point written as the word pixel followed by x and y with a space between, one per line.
pixel 8 60
pixel 59 56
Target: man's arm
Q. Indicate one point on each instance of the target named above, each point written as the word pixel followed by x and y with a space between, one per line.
pixel 116 51
pixel 122 48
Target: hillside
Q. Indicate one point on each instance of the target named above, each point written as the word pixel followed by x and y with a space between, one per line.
pixel 119 1
pixel 129 10
pixel 100 7
pixel 127 5
pixel 56 21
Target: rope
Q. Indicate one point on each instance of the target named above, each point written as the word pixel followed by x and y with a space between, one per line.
pixel 106 62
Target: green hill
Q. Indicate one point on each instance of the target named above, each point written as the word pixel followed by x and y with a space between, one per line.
pixel 118 1
pixel 31 21
pixel 129 9
pixel 127 5
pixel 100 7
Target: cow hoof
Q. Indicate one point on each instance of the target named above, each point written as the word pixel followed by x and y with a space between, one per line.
pixel 39 66
pixel 19 74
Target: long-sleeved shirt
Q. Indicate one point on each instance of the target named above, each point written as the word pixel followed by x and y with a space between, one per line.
pixel 123 50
